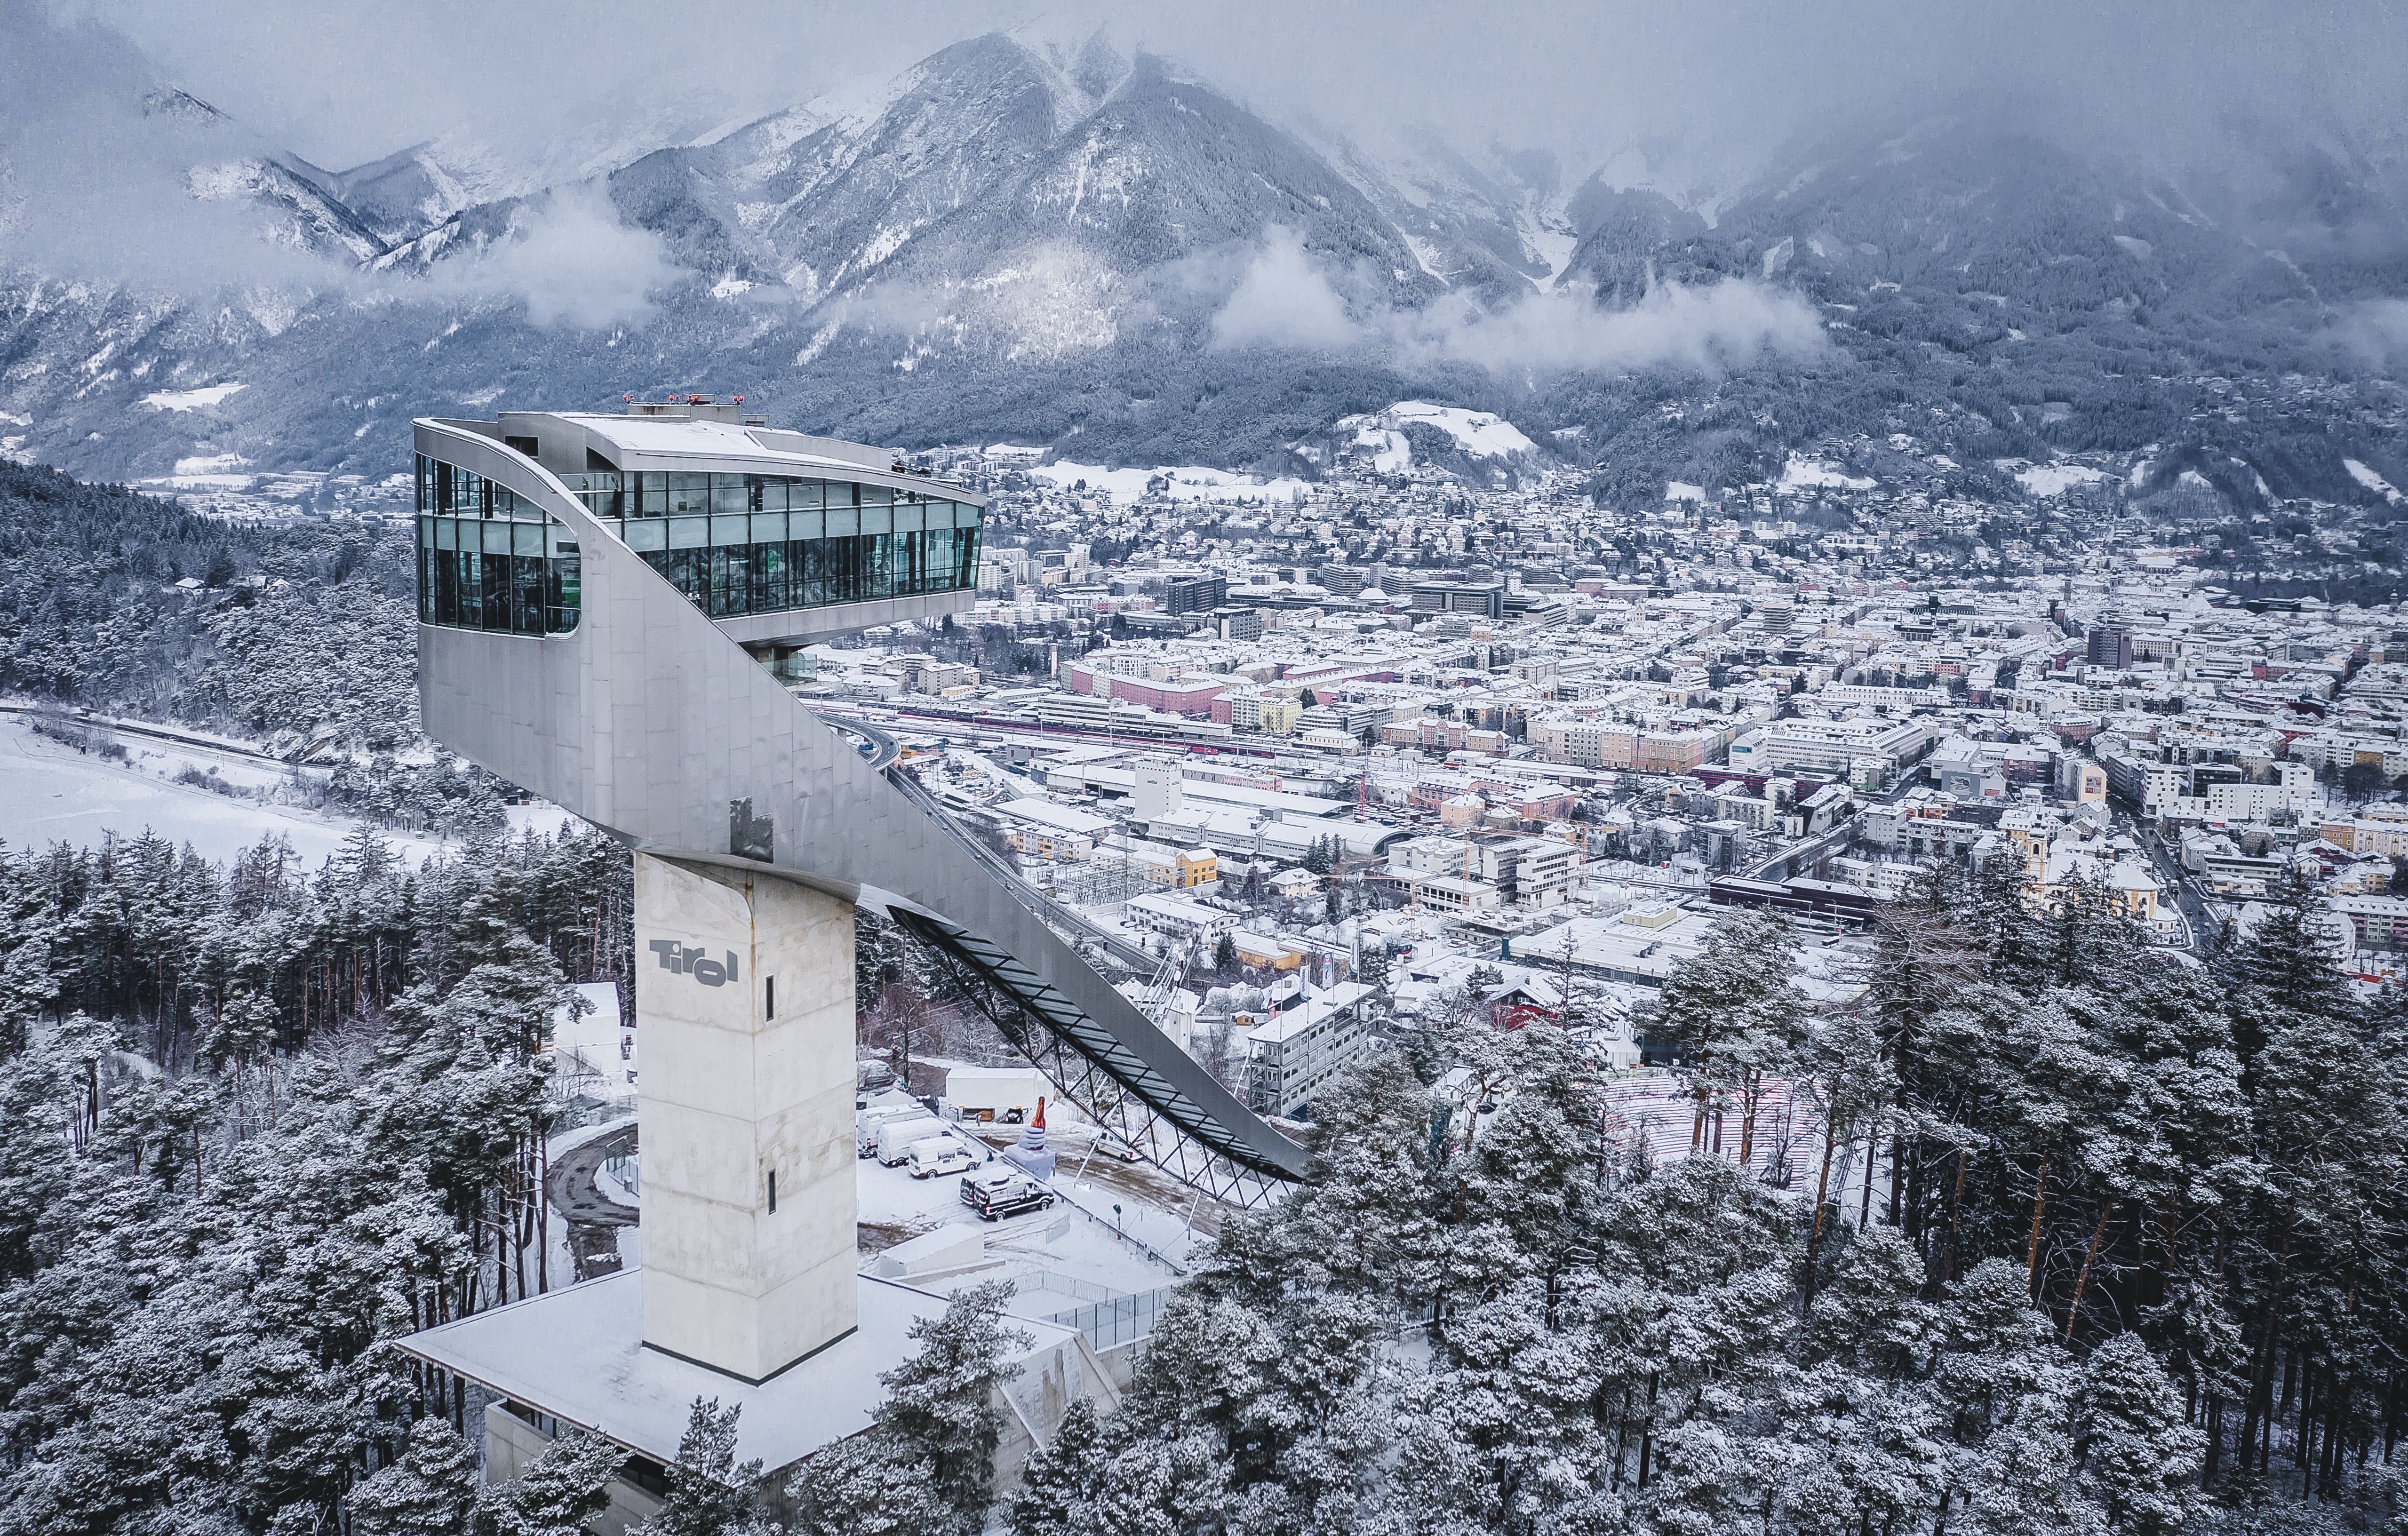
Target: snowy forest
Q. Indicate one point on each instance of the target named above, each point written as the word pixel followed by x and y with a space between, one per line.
pixel 253 1121
pixel 296 635
pixel 2132 1258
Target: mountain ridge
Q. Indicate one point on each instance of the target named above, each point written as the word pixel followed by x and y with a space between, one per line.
pixel 997 243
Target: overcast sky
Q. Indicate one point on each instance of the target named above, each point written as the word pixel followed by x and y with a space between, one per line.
pixel 342 83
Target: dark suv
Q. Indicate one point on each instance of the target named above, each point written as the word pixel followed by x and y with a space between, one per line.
pixel 996 1193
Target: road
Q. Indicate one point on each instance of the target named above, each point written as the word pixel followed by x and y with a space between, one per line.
pixel 2196 922
pixel 575 1190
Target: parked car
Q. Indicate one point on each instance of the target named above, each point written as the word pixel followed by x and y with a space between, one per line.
pixel 1114 1146
pixel 1001 1192
pixel 940 1155
pixel 873 1075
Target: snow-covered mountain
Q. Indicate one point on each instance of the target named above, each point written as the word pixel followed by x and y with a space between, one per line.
pixel 1108 253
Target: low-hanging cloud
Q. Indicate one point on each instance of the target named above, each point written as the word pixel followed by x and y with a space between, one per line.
pixel 1710 328
pixel 104 177
pixel 1284 299
pixel 570 261
pixel 2374 332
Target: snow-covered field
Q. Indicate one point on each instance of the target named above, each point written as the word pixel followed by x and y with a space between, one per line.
pixel 2053 480
pixel 52 792
pixel 2373 482
pixel 1476 432
pixel 1805 474
pixel 1187 482
pixel 192 400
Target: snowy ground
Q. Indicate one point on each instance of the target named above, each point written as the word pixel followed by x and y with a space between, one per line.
pixel 1185 482
pixel 1062 1242
pixel 52 792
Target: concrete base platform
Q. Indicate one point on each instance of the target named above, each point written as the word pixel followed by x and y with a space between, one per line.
pixel 576 1358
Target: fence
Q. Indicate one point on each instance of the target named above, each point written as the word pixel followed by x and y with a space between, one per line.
pixel 1122 1320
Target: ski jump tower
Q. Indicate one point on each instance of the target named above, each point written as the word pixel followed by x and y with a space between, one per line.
pixel 610 607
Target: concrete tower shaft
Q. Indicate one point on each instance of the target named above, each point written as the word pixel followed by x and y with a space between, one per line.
pixel 744 984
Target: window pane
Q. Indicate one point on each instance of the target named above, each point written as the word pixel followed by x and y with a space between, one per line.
pixel 876 496
pixel 689 492
pixel 731 580
pixel 526 594
pixel 496 537
pixel 806 524
pixel 495 571
pixel 804 492
pixel 688 572
pixel 808 584
pixel 881 565
pixel 877 519
pixel 730 528
pixel 689 533
pixel 651 494
pixel 729 494
pixel 526 538
pixel 467 608
pixel 843 522
pixel 768 578
pixel 768 527
pixel 647 534
pixel 770 496
pixel 566 596
pixel 909 519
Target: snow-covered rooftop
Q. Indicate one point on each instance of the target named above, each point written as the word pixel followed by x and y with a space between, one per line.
pixel 579 1356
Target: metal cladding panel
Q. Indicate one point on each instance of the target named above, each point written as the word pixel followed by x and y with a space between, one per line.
pixel 647 721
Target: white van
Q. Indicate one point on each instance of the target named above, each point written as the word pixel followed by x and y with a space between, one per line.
pixel 866 1123
pixel 937 1155
pixel 892 1141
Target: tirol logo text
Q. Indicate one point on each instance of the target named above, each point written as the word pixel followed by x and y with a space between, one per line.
pixel 690 962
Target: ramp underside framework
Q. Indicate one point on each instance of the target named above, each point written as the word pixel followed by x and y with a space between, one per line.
pixel 1088 1064
pixel 648 721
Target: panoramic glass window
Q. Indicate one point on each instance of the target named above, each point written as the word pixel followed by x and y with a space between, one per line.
pixel 489 560
pixel 734 544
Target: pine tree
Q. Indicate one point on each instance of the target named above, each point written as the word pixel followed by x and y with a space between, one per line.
pixel 2137 1454
pixel 928 1462
pixel 1734 1016
pixel 710 1494
pixel 430 1491
pixel 2287 957
pixel 1064 1487
pixel 555 1494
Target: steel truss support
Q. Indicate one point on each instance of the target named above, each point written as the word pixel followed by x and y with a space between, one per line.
pixel 1110 1088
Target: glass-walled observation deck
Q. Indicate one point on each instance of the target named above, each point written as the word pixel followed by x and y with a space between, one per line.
pixel 734 544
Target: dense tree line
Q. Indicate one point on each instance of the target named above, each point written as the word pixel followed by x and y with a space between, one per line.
pixel 299 636
pixel 293 627
pixel 254 1121
pixel 2129 1260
